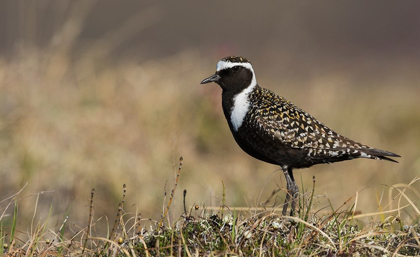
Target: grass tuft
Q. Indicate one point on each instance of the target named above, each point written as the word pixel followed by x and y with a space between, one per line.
pixel 214 231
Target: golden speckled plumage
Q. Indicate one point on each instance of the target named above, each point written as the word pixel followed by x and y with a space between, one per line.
pixel 289 135
pixel 236 59
pixel 272 129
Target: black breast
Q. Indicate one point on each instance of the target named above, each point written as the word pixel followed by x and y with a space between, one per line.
pixel 245 136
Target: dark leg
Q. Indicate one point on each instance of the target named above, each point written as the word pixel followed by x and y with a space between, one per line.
pixel 286 203
pixel 292 190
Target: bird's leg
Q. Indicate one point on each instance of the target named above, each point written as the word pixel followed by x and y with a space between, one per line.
pixel 286 203
pixel 292 190
pixel 288 183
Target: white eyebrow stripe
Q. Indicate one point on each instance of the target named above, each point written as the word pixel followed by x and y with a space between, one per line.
pixel 222 65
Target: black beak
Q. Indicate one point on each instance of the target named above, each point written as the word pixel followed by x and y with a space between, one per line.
pixel 212 78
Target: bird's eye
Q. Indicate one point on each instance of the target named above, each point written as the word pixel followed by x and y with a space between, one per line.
pixel 235 68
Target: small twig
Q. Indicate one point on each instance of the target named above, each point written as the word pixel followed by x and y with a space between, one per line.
pixel 172 193
pixel 117 220
pixel 90 219
pixel 118 217
pixel 223 197
pixel 119 213
pixel 123 197
pixel 64 223
pixel 377 213
pixel 312 197
pixel 138 223
pixel 164 199
pixel 185 207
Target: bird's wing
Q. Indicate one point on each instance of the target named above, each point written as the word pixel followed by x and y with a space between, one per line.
pixel 293 127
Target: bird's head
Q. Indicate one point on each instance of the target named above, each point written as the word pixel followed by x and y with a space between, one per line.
pixel 233 73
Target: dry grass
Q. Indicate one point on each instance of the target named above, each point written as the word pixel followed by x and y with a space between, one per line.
pixel 72 118
pixel 201 231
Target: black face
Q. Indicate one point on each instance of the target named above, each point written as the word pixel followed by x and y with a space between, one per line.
pixel 234 79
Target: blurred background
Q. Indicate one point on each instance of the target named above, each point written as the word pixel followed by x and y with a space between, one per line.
pixel 95 94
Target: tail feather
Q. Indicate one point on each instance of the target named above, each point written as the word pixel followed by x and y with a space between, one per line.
pixel 372 153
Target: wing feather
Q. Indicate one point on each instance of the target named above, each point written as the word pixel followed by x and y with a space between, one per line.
pixel 300 135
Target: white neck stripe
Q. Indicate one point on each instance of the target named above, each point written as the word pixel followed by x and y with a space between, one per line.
pixel 241 104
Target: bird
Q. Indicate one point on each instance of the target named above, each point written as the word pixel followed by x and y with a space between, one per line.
pixel 272 129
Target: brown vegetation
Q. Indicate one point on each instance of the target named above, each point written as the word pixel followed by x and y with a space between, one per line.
pixel 73 118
